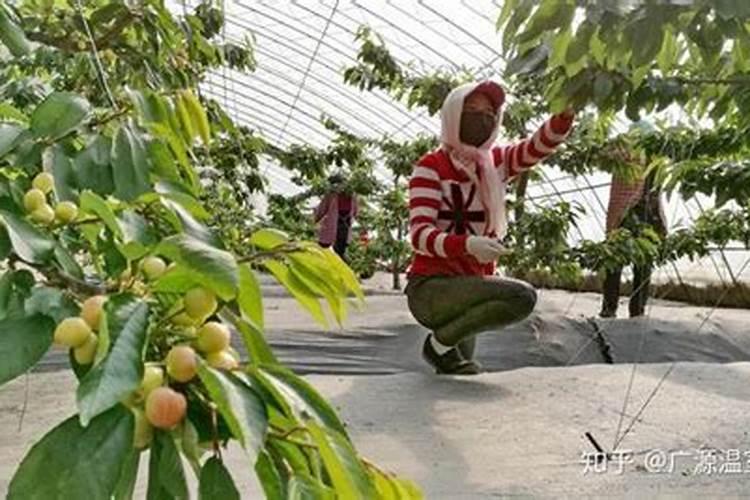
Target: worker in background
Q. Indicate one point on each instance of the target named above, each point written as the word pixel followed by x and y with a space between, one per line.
pixel 335 214
pixel 634 203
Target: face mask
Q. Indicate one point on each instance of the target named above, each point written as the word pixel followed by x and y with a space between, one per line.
pixel 476 127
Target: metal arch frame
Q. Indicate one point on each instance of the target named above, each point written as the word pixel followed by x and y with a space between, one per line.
pixel 301 32
pixel 314 119
pixel 216 95
pixel 437 32
pixel 467 4
pixel 410 35
pixel 301 140
pixel 320 80
pixel 269 124
pixel 460 28
pixel 392 103
pixel 349 95
pixel 412 118
pixel 309 67
pixel 282 76
pixel 348 29
pixel 251 117
pixel 273 173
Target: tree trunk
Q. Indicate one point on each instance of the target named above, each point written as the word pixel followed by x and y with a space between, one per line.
pixel 396 258
pixel 523 182
pixel 397 263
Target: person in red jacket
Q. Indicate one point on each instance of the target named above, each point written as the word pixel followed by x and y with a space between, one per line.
pixel 457 220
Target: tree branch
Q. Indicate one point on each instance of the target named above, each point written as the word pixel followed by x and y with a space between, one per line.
pixel 69 44
pixel 57 277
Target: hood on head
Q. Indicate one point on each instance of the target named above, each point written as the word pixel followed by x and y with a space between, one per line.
pixel 450 113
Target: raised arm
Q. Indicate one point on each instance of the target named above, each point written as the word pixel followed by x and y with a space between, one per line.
pixel 528 152
pixel 424 204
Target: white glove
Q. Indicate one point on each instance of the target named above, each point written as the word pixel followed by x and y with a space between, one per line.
pixel 484 249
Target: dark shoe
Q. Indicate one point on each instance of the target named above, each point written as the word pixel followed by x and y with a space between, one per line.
pixel 449 363
pixel 607 314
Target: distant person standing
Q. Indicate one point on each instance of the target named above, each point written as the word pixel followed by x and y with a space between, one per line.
pixel 633 203
pixel 335 214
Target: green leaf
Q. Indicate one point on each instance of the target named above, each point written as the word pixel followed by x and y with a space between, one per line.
pixel 9 133
pixel 268 477
pixel 268 239
pixel 216 482
pixel 520 15
pixel 12 35
pixel 151 106
pixel 178 149
pixel 302 397
pixel 392 487
pixel 668 56
pixel 121 371
pixel 58 114
pixel 318 279
pixel 92 168
pixel 12 298
pixel 597 48
pixel 349 477
pixel 67 262
pixel 603 86
pixel 732 9
pixel 9 113
pixel 128 476
pixel 241 408
pixel 508 7
pixel 186 436
pixel 250 297
pixel 191 226
pixel 305 487
pixel 130 165
pixel 73 462
pixel 186 124
pixel 28 153
pixel 94 204
pixel 550 15
pixel 216 269
pixel 343 273
pixel 528 62
pixel 579 46
pixel 197 116
pixel 162 162
pixel 56 162
pixel 166 477
pixel 23 342
pixel 28 242
pixel 136 233
pixel 647 42
pixel 50 302
pixel 5 245
pixel 255 342
pixel 559 49
pixel 177 193
pixel 178 280
pixel 115 261
pixel 306 297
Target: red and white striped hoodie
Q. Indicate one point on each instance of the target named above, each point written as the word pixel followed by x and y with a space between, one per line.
pixel 444 203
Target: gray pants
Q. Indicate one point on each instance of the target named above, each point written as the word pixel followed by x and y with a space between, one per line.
pixel 456 308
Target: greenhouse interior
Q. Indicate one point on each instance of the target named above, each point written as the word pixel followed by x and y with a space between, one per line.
pixel 374 249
